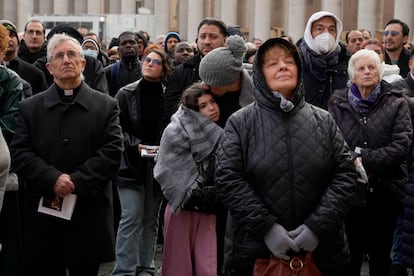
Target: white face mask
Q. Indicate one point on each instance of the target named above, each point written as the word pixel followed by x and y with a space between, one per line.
pixel 90 52
pixel 325 43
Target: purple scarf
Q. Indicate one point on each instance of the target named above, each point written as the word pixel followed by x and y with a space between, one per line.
pixel 359 104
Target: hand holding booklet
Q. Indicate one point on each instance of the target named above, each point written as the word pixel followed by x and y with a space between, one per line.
pixel 149 151
pixel 61 207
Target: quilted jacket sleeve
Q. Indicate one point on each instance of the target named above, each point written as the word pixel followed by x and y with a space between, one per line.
pixel 233 188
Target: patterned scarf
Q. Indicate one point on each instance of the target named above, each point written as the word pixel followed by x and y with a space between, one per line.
pixel 359 104
pixel 189 139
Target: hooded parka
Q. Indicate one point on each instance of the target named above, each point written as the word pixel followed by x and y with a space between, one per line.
pixel 290 167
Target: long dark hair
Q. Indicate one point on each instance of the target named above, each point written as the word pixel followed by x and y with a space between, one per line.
pixel 190 96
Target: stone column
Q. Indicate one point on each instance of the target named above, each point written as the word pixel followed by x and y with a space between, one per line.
pixel 114 7
pixel 128 6
pixel 81 7
pixel 24 8
pixel 162 11
pixel 46 7
pixel 403 10
pixel 60 7
pixel 11 11
pixel 228 11
pixel 190 15
pixel 333 6
pixel 367 15
pixel 95 6
pixel 296 18
pixel 259 23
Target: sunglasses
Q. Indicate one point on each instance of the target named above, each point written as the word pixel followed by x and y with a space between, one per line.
pixel 153 61
pixel 393 33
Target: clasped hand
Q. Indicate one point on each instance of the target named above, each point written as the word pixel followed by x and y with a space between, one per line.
pixel 63 185
pixel 279 241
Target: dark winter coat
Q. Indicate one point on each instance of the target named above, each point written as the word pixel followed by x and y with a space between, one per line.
pixel 84 140
pixel 407 83
pixel 25 54
pixel 122 73
pixel 182 77
pixel 408 223
pixel 93 73
pixel 402 61
pixel 384 133
pixel 11 92
pixel 319 90
pixel 407 86
pixel 29 73
pixel 292 168
pixel 132 172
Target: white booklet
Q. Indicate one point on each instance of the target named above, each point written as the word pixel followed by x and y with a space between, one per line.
pixel 149 151
pixel 62 208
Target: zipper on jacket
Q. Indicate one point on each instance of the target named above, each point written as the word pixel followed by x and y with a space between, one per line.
pixel 290 164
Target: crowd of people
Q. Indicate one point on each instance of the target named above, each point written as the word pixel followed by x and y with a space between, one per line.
pixel 224 150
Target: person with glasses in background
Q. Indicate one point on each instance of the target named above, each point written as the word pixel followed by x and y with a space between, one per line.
pixel 68 141
pixel 142 123
pixel 395 36
pixel 30 73
pixel 33 44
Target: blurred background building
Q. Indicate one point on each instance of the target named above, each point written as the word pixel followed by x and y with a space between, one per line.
pixel 256 18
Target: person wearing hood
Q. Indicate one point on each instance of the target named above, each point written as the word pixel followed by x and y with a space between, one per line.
pixel 92 47
pixel 170 41
pixel 325 59
pixel 284 171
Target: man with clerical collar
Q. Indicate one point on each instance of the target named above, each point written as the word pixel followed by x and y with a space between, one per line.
pixel 67 144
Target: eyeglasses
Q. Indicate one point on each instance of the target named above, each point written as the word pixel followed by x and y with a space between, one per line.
pixel 154 61
pixel 61 55
pixel 32 32
pixel 393 33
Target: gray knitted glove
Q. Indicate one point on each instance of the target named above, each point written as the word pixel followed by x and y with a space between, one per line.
pixel 304 238
pixel 279 242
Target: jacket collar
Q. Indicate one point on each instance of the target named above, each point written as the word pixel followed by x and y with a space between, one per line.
pixel 83 98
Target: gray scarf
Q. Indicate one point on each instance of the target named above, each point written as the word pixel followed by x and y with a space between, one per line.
pixel 189 139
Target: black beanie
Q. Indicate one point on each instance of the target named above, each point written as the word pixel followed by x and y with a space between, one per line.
pixel 65 29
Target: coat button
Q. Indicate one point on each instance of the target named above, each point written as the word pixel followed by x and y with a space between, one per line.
pixel 65 141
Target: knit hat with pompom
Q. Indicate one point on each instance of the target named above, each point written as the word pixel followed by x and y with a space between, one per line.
pixel 222 66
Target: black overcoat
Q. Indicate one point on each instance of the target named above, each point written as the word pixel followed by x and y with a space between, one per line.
pixel 84 140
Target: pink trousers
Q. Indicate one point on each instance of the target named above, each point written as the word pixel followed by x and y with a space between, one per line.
pixel 190 246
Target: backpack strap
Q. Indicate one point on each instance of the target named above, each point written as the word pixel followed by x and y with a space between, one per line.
pixel 115 69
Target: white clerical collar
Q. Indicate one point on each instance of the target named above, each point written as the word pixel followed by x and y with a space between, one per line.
pixel 68 92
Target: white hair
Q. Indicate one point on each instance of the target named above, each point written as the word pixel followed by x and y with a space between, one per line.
pixel 58 39
pixel 365 54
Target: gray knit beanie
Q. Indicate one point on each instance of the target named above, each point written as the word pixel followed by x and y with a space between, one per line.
pixel 222 66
